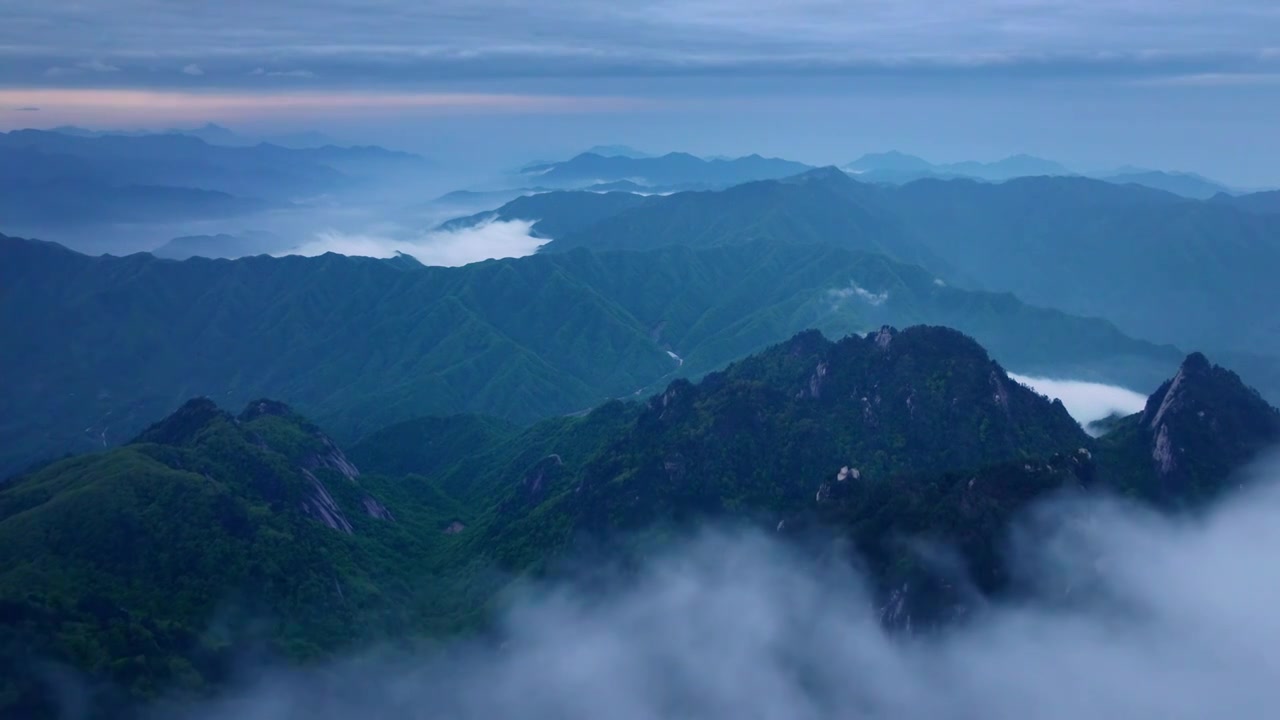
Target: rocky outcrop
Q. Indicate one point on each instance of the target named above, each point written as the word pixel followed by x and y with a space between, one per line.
pixel 319 504
pixel 1200 426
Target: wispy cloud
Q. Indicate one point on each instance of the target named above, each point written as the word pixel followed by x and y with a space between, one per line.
pixel 449 248
pixel 263 72
pixel 27 108
pixel 193 69
pixel 854 290
pixel 86 66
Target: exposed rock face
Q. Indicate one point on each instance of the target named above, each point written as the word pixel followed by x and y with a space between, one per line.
pixel 816 381
pixel 331 457
pixel 536 482
pixel 376 509
pixel 1202 424
pixel 321 506
pixel 884 338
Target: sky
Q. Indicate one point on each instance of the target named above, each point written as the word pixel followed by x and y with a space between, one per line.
pixel 1179 84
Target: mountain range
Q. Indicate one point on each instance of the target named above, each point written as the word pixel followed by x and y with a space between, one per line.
pixel 671 171
pixel 117 563
pixel 51 178
pixel 105 344
pixel 213 134
pixel 1162 267
pixel 896 168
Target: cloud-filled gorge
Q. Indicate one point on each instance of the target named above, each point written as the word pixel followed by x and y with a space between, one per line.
pixel 1086 401
pixel 1136 616
pixel 450 248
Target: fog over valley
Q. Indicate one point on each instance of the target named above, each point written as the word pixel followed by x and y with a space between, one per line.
pixel 1123 612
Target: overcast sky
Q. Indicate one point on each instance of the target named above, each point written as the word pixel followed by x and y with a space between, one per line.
pixel 1191 84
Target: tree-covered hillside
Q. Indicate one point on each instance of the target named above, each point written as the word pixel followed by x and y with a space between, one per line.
pixel 151 568
pixel 1161 267
pixel 99 346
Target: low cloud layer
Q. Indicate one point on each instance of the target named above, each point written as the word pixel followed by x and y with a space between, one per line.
pixel 450 248
pixel 1139 616
pixel 854 290
pixel 1087 401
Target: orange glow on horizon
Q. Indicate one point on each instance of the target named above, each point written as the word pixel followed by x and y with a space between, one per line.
pixel 141 106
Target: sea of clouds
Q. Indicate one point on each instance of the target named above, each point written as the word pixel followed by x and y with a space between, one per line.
pixel 1139 616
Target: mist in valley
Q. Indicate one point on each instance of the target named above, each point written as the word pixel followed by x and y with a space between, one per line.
pixel 1125 613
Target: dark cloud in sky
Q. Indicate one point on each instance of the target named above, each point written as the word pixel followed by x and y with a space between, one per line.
pixel 400 41
pixel 1178 84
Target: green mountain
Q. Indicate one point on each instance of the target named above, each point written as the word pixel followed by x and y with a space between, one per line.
pixel 118 563
pixel 127 563
pixel 1187 439
pixel 819 206
pixel 101 345
pixel 1173 270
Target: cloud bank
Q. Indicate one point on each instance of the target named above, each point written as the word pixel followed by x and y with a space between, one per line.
pixel 1137 616
pixel 854 290
pixel 483 38
pixel 1087 401
pixel 449 248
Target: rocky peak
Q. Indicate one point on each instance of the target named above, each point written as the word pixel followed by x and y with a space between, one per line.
pixel 264 407
pixel 1203 423
pixel 181 427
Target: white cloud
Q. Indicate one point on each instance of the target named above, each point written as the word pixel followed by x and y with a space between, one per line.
pixel 450 248
pixel 1136 616
pixel 262 72
pixel 1086 401
pixel 871 298
pixel 193 69
pixel 95 66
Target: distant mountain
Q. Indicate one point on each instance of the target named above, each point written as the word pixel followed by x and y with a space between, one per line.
pixel 617 151
pixel 1159 266
pixel 1011 167
pixel 118 563
pixel 557 213
pixel 1187 185
pixel 897 167
pixel 222 245
pixel 892 161
pixel 72 202
pixel 672 169
pixel 213 134
pixel 1262 203
pixel 1179 271
pixel 266 172
pixel 359 343
pixel 822 205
